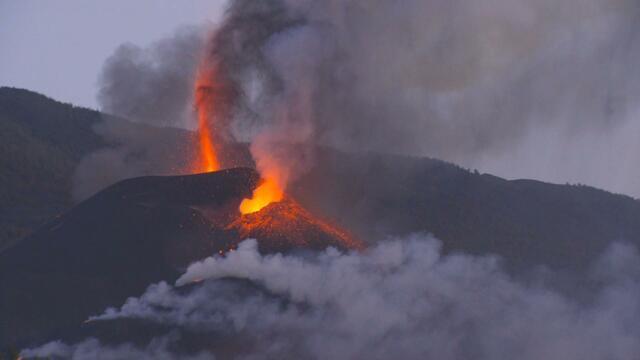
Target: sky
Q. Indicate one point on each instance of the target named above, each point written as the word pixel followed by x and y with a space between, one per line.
pixel 40 40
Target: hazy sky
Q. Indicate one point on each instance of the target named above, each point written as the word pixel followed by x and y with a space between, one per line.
pixel 57 47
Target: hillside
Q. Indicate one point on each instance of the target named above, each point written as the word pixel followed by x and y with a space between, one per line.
pixel 527 222
pixel 41 142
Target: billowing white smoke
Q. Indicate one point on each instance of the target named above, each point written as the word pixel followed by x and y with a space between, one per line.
pixel 400 299
pixel 157 349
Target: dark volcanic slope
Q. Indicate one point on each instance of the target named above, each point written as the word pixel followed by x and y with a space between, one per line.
pixel 113 246
pixel 42 141
pixel 528 222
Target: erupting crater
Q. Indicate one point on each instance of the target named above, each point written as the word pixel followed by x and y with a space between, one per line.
pixel 277 222
pixel 285 225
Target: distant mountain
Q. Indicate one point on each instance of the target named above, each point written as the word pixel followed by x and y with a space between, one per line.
pixel 41 141
pixel 527 222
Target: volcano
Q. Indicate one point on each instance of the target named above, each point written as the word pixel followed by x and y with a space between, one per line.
pixel 285 225
pixel 135 233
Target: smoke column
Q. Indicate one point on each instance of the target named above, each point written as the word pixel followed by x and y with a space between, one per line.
pixel 522 88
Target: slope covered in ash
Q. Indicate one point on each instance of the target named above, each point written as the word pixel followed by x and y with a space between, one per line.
pixel 135 233
pixel 113 246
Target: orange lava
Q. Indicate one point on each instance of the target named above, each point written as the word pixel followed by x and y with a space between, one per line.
pixel 205 99
pixel 286 225
pixel 269 191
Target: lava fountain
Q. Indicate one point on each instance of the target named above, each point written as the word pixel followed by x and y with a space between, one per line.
pixel 206 94
pixel 210 103
pixel 275 220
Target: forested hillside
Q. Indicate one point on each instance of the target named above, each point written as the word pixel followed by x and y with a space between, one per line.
pixel 41 141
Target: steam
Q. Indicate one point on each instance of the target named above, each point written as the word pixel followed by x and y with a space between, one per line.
pixel 158 349
pixel 402 299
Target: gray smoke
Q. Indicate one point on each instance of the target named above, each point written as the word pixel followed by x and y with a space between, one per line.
pixel 157 349
pixel 399 299
pixel 153 85
pixel 150 93
pixel 522 88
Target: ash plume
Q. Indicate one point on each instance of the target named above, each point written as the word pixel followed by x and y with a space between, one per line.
pixel 402 299
pixel 493 84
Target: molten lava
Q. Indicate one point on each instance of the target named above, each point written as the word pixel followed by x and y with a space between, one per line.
pixel 285 225
pixel 269 191
pixel 265 213
pixel 206 92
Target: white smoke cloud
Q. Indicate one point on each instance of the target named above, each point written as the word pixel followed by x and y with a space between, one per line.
pixel 157 349
pixel 400 299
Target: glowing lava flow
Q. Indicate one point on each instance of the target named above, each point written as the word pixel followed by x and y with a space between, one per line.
pixel 211 103
pixel 204 102
pixel 269 191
